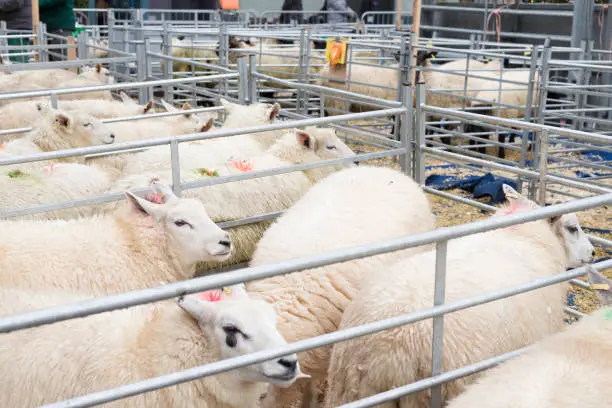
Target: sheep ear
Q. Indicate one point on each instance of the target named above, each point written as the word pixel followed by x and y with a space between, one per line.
pixel 145 207
pixel 167 106
pixel 207 125
pixel 306 140
pixel 187 106
pixel 148 106
pixel 166 192
pixel 98 67
pixel 274 111
pixel 601 284
pixel 63 119
pixel 237 291
pixel 202 311
pixel 42 107
pixel 226 104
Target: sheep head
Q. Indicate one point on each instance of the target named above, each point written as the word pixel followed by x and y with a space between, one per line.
pixel 64 130
pixel 240 325
pixel 566 227
pixel 187 229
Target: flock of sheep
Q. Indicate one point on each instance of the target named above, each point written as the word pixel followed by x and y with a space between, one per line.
pixel 74 254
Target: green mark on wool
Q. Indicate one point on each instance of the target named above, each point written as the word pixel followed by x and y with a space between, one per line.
pixel 206 172
pixel 16 174
pixel 608 313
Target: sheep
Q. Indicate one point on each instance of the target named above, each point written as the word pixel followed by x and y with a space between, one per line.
pixel 189 50
pixel 232 201
pixel 27 113
pixel 80 356
pixel 97 52
pixel 138 246
pixel 352 207
pixel 242 145
pixel 57 130
pixel 49 78
pixel 474 264
pixel 570 369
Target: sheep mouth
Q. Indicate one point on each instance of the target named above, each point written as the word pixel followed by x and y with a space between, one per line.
pixel 223 254
pixel 281 378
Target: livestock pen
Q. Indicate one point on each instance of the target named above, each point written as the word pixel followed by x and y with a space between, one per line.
pixel 544 165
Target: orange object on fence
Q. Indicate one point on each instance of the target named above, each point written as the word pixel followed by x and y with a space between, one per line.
pixel 230 4
pixel 335 52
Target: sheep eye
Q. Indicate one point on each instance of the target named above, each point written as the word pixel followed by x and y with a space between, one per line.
pixel 182 223
pixel 572 230
pixel 331 147
pixel 230 329
pixel 87 124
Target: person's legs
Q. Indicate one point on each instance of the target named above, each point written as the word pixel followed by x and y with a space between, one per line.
pixel 57 54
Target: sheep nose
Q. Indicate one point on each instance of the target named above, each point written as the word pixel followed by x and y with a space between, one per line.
pixel 593 254
pixel 290 364
pixel 356 163
pixel 112 136
pixel 225 242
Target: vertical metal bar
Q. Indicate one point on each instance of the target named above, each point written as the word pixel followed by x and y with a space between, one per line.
pixel 530 95
pixel 53 98
pixel 306 72
pixel 543 167
pixel 242 79
pixel 142 71
pixel 166 49
pixel 300 73
pixel 582 22
pixel 82 47
pixel 252 79
pixel 419 129
pixel 176 167
pixel 437 340
pixel 405 130
pixel 148 63
pixel 41 42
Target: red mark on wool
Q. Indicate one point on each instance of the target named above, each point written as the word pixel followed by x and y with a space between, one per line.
pixel 212 295
pixel 157 198
pixel 50 168
pixel 1 146
pixel 242 165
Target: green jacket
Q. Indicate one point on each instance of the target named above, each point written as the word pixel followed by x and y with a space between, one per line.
pixel 57 14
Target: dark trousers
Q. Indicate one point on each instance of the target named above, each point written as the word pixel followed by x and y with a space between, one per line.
pixel 58 54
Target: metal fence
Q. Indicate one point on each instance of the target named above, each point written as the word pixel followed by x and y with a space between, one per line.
pixel 246 81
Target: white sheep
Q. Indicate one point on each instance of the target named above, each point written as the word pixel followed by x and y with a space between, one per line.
pixel 352 207
pixel 49 78
pixel 57 130
pixel 190 50
pixel 475 264
pixel 80 356
pixel 233 201
pixel 27 113
pixel 57 182
pixel 138 246
pixel 570 369
pixel 217 149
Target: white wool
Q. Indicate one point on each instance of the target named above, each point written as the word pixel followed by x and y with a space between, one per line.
pixel 80 356
pixel 475 264
pixel 570 369
pixel 139 246
pixel 57 182
pixel 352 207
pixel 232 201
pixel 208 153
pixel 368 80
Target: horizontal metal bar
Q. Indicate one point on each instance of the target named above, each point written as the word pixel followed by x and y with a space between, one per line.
pixel 314 342
pixel 114 87
pixel 102 304
pixel 118 147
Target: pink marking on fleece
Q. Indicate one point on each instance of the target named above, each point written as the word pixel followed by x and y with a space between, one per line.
pixel 514 207
pixel 242 165
pixel 157 198
pixel 215 295
pixel 50 168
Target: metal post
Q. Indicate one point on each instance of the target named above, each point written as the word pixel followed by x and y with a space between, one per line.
pixel 176 168
pixel 82 48
pixel 148 67
pixel 301 59
pixel 142 73
pixel 585 79
pixel 242 79
pixel 252 79
pixel 306 75
pixel 543 162
pixel 53 98
pixel 419 129
pixel 437 340
pixel 405 128
pixel 41 41
pixel 91 15
pixel 582 22
pixel 166 49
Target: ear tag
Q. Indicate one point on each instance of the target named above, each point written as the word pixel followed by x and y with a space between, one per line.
pixel 227 291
